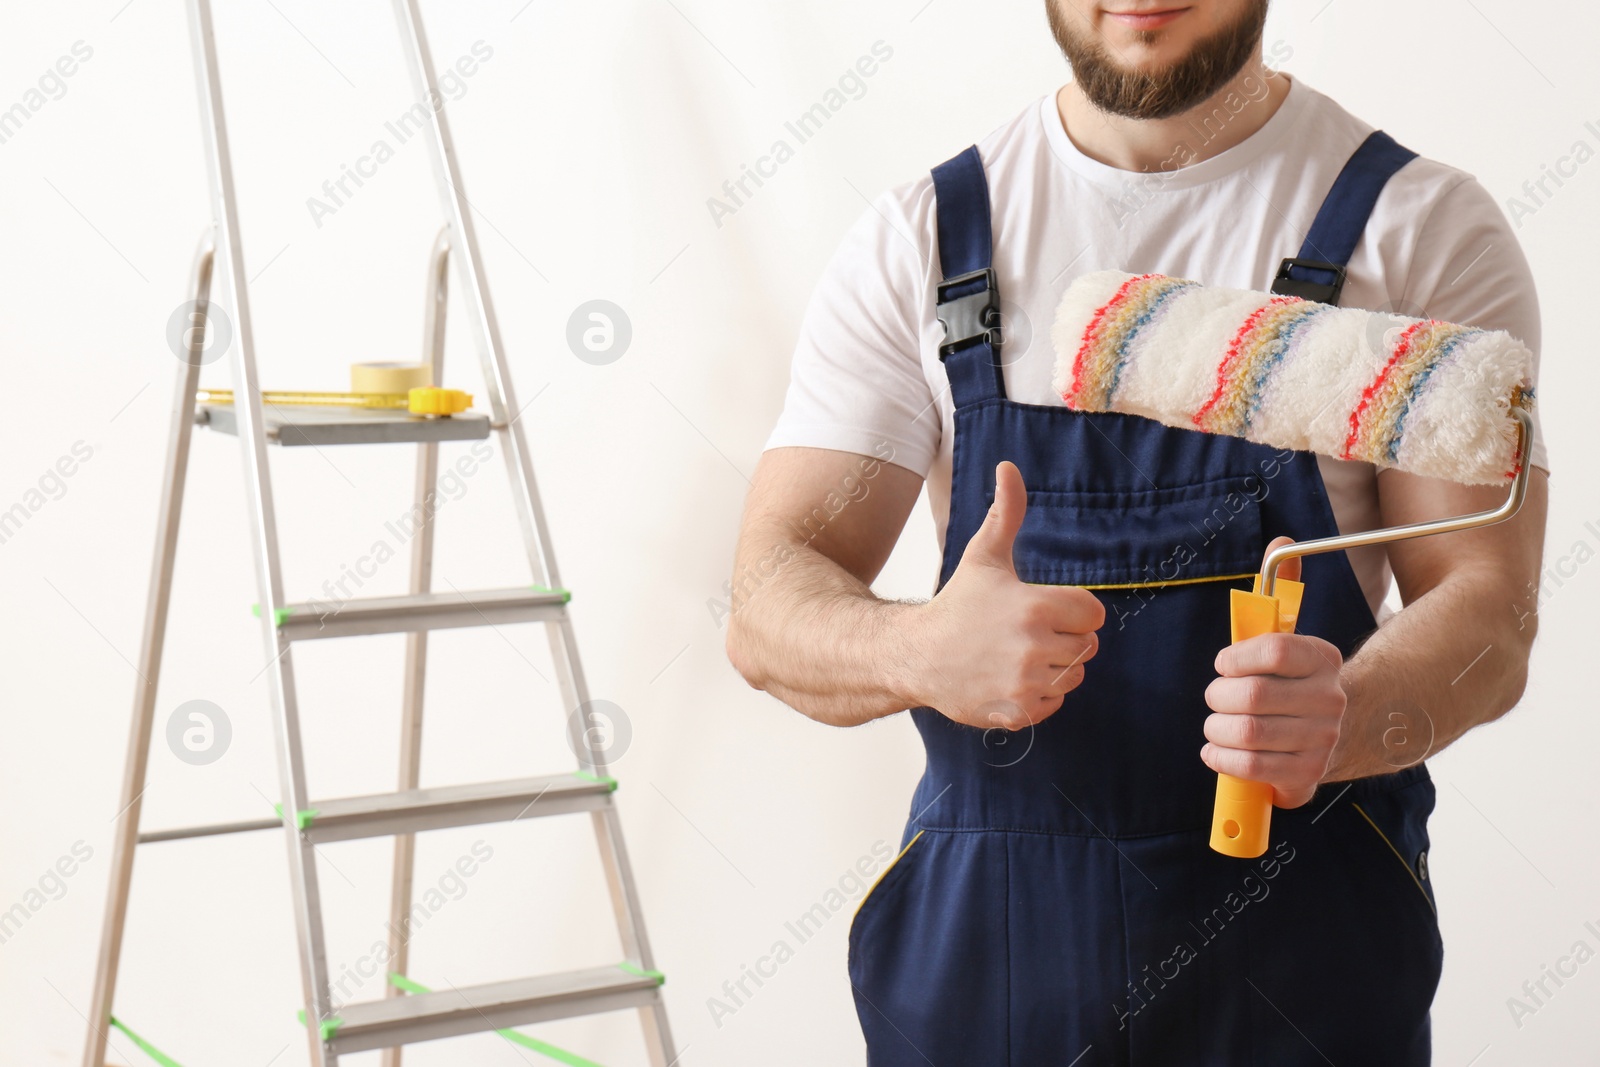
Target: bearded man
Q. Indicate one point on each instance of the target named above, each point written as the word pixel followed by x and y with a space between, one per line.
pixel 1055 901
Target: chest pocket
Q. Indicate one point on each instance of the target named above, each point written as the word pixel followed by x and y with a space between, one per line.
pixel 1208 531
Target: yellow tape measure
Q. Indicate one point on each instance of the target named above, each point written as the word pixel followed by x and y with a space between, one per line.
pixel 423 400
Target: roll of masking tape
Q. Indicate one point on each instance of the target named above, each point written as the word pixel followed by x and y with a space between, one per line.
pixel 389 377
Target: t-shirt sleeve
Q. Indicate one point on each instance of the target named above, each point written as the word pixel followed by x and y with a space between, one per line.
pixel 857 382
pixel 1468 268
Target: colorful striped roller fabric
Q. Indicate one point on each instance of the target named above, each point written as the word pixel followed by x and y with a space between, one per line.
pixel 1418 394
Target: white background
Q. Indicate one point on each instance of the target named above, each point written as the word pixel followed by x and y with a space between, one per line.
pixel 591 141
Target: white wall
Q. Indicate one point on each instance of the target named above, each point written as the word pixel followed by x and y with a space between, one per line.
pixel 591 141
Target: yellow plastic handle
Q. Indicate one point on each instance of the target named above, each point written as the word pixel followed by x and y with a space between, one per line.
pixel 1242 817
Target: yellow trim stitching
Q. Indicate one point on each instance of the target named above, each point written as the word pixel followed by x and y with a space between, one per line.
pixel 1397 856
pixel 1175 581
pixel 885 872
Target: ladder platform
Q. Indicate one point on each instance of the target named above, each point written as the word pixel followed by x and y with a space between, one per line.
pixel 416 612
pixel 419 1017
pixel 319 426
pixel 437 808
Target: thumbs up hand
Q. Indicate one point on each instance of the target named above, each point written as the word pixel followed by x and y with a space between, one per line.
pixel 999 651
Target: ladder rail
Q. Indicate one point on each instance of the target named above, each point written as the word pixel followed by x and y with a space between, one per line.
pixel 479 305
pixel 263 535
pixel 541 556
pixel 427 482
pixel 158 602
pixel 626 906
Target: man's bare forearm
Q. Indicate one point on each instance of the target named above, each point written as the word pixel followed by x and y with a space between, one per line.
pixel 1455 658
pixel 820 640
pixel 989 651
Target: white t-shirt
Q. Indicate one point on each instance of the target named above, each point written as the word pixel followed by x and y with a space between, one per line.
pixel 867 378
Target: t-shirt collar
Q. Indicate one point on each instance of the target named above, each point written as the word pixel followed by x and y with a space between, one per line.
pixel 1180 177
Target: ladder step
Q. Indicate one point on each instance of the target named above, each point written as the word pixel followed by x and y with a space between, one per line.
pixel 421 611
pixel 316 427
pixel 496 1006
pixel 415 810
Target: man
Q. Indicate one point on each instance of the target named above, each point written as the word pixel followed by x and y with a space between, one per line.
pixel 1056 901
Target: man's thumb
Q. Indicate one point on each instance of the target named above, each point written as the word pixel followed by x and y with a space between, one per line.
pixel 1289 568
pixel 991 545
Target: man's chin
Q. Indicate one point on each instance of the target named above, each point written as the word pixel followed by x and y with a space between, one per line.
pixel 1141 56
pixel 1147 74
pixel 1156 67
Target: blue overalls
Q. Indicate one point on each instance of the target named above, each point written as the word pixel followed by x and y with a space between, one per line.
pixel 1056 902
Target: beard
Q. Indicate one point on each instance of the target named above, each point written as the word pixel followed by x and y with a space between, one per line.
pixel 1157 94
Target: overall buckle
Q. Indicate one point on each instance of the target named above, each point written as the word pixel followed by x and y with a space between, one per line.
pixel 1286 284
pixel 971 316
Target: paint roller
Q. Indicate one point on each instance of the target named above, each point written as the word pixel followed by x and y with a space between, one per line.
pixel 1433 398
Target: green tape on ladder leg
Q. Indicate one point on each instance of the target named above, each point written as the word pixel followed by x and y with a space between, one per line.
pixel 406 985
pixel 144 1046
pixel 634 968
pixel 544 1048
pixel 565 594
pixel 571 1059
pixel 325 1028
pixel 279 615
pixel 302 819
pixel 603 779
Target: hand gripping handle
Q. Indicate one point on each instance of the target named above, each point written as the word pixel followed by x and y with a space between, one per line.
pixel 1242 817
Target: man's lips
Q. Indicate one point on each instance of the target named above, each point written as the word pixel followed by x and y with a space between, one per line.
pixel 1147 20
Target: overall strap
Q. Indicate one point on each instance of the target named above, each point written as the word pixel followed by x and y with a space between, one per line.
pixel 968 297
pixel 1318 272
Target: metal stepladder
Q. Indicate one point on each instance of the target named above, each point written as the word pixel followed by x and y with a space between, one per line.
pixel 395 1020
